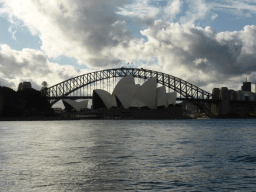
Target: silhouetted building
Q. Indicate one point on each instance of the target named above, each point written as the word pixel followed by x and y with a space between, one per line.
pixel 246 86
pixel 224 93
pixel 232 94
pixel 24 85
pixel 231 101
pixel 239 95
pixel 249 96
pixel 216 93
pixel 20 87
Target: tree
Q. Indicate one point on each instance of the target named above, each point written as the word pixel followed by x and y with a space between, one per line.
pixel 44 84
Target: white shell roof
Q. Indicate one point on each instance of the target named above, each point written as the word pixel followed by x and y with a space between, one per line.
pixel 125 86
pixel 77 105
pixel 74 104
pixel 137 86
pixel 125 91
pixel 83 104
pixel 171 98
pixel 136 103
pixel 105 97
pixel 147 93
pixel 161 97
pixel 131 95
pixel 113 101
pixel 125 100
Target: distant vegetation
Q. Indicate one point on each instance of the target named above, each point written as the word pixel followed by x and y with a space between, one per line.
pixel 23 103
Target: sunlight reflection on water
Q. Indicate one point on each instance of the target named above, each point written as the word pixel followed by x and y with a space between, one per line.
pixel 128 155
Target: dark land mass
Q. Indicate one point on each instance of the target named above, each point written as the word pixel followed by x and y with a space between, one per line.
pixel 37 118
pixel 23 104
pixel 30 105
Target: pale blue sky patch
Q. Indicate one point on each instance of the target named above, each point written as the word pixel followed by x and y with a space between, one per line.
pixel 229 22
pixel 159 3
pixel 17 37
pixel 64 60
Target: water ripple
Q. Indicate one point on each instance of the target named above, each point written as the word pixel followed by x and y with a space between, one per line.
pixel 182 155
pixel 244 159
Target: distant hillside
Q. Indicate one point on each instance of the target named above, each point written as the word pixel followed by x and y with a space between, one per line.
pixel 23 103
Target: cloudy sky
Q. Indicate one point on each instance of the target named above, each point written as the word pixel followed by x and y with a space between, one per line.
pixel 210 43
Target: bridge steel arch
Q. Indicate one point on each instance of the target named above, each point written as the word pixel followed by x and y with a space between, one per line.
pixel 187 90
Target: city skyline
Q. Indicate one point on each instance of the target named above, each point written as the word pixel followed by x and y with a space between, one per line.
pixel 208 43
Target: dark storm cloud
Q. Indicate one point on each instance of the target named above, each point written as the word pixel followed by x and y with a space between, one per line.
pixel 222 57
pixel 197 49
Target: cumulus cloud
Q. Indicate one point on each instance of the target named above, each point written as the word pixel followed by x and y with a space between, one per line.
pixel 198 10
pixel 141 10
pixel 172 9
pixel 145 13
pixel 80 29
pixel 95 33
pixel 199 55
pixel 32 65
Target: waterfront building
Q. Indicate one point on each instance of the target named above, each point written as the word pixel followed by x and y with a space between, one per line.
pixel 232 94
pixel 227 98
pixel 133 101
pixel 74 105
pixel 239 96
pixel 249 96
pixel 127 95
pixel 216 93
pixel 224 93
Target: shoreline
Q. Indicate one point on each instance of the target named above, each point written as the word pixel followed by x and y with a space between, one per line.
pixel 36 119
pixel 96 118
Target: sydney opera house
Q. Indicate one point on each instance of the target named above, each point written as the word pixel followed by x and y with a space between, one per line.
pixel 132 101
pixel 74 105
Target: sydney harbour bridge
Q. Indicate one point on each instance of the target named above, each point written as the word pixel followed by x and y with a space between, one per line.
pixel 81 87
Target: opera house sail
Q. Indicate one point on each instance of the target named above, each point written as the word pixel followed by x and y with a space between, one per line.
pixel 74 105
pixel 146 100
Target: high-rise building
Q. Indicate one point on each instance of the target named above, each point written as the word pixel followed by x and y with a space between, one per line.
pixel 216 93
pixel 224 94
pixel 232 94
pixel 246 86
pixel 24 85
pixel 20 87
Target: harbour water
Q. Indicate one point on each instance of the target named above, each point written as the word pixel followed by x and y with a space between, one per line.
pixel 136 155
